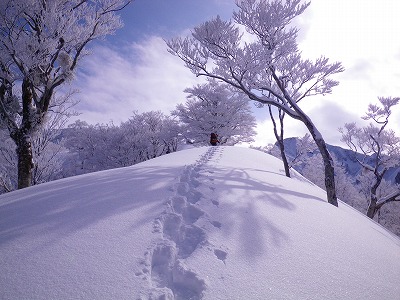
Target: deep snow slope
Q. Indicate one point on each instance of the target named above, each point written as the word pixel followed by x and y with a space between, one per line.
pixel 205 223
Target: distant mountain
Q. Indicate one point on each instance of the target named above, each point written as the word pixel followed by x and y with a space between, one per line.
pixel 347 157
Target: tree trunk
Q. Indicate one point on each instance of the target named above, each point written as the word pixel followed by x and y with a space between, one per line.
pixel 328 163
pixel 22 138
pixel 25 162
pixel 279 139
pixel 372 209
pixel 329 176
pixel 284 158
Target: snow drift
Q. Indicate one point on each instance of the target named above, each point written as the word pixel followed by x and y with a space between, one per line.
pixel 204 223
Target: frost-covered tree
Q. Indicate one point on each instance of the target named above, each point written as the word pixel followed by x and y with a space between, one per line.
pixel 265 63
pixel 380 148
pixel 48 152
pixel 93 147
pixel 214 107
pixel 107 146
pixel 151 134
pixel 41 43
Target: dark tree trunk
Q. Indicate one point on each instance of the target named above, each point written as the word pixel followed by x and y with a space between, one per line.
pixel 328 164
pixel 284 158
pixel 25 162
pixel 329 177
pixel 279 138
pixel 372 207
pixel 23 140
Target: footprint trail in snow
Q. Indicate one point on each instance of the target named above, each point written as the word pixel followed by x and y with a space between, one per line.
pixel 163 268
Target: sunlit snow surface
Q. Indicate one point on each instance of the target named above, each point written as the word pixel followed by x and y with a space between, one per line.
pixel 204 223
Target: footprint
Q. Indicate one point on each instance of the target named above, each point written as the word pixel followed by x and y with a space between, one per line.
pixel 215 202
pixel 220 254
pixel 194 196
pixel 163 268
pixel 192 237
pixel 194 182
pixel 191 213
pixel 178 203
pixel 172 224
pixel 185 176
pixel 216 224
pixel 186 283
pixel 182 188
pixel 189 176
pixel 162 262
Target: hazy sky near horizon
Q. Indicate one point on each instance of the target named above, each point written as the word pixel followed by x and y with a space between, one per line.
pixel 132 69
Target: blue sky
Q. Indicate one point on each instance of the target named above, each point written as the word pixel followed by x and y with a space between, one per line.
pixel 132 69
pixel 168 17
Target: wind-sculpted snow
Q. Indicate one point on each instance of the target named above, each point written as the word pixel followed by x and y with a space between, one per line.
pixel 178 236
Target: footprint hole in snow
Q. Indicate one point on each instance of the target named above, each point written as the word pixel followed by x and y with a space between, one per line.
pixel 164 254
pixel 220 254
pixel 182 188
pixel 215 202
pixel 172 225
pixel 191 213
pixel 192 236
pixel 216 224
pixel 194 183
pixel 163 259
pixel 194 196
pixel 178 203
pixel 186 283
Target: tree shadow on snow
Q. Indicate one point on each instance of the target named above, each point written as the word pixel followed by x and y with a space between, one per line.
pixel 65 206
pixel 247 200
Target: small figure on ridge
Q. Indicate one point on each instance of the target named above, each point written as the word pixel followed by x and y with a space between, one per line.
pixel 214 139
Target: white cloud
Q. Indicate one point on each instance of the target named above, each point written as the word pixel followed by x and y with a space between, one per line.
pixel 362 34
pixel 143 77
pixel 265 134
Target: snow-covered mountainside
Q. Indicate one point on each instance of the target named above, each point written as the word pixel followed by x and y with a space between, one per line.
pixel 346 157
pixel 204 223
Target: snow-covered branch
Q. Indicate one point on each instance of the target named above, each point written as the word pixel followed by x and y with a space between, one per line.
pixel 394 196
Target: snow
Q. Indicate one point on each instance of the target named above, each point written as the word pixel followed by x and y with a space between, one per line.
pixel 202 223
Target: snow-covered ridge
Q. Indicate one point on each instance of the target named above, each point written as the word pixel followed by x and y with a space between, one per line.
pixel 204 223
